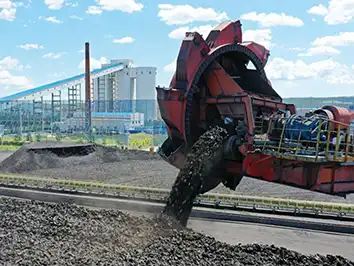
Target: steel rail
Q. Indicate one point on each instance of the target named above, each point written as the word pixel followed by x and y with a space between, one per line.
pixel 156 208
pixel 227 201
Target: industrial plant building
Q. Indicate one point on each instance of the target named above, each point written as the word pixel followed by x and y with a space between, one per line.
pixel 130 90
pixel 106 121
pixel 122 95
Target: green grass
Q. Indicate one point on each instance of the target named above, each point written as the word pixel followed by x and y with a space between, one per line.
pixel 136 141
pixel 9 147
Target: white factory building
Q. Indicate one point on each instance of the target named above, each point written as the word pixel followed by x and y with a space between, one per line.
pixel 103 121
pixel 131 89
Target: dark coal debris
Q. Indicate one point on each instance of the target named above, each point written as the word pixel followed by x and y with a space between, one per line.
pixel 37 233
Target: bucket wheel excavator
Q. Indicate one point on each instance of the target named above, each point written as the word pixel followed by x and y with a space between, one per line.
pixel 226 121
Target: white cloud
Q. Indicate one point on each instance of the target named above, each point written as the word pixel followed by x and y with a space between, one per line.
pixel 7 79
pixel 128 6
pixel 10 63
pixel 342 39
pixel 7 10
pixel 124 40
pixel 94 63
pixel 297 49
pixel 326 44
pixel 320 50
pixel 53 55
pixel 329 70
pixel 31 46
pixel 344 75
pixel 71 4
pixel 82 50
pixel 8 14
pixel 185 14
pixel 273 19
pixel 180 33
pixel 94 10
pixel 17 4
pixel 5 4
pixel 319 10
pixel 22 4
pixel 340 12
pixel 76 17
pixel 170 67
pixel 54 4
pixel 51 19
pixel 262 37
pixel 337 11
pixel 279 69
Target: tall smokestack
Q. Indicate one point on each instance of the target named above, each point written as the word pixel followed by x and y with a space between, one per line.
pixel 88 119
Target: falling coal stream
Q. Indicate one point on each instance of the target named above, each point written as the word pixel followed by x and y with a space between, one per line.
pixel 200 159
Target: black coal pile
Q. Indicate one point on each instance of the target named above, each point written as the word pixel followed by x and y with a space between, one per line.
pixel 39 156
pixel 37 233
pixel 199 161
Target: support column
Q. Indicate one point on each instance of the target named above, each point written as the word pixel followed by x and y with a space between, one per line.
pixel 38 122
pixel 72 101
pixel 56 106
pixel 110 92
pixel 133 95
pixel 88 116
pixel 115 85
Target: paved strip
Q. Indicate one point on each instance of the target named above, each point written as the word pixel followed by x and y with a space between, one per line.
pixel 303 241
pixel 156 208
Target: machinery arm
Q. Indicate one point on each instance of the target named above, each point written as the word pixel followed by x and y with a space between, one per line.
pixel 221 81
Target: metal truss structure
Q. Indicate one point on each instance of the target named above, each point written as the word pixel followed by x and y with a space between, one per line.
pixel 28 111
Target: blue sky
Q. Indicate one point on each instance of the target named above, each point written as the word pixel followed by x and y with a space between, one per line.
pixel 310 41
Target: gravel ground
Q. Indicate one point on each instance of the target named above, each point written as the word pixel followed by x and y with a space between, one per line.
pixel 135 168
pixel 36 233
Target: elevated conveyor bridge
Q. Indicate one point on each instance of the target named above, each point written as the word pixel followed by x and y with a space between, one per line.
pixel 55 87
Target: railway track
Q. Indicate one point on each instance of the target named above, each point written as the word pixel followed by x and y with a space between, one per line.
pixel 330 217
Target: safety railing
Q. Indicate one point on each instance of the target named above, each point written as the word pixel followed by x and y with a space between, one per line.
pixel 308 139
pixel 160 195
